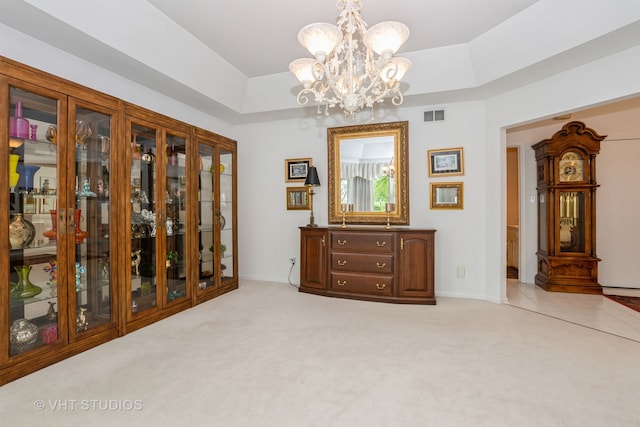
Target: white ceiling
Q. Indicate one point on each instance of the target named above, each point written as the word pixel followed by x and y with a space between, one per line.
pixel 259 37
pixel 230 58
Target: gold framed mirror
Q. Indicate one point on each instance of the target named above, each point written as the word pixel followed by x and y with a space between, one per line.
pixel 368 174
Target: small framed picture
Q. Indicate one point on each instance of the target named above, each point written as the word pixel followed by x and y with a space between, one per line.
pixel 446 195
pixel 298 198
pixel 47 185
pixel 295 170
pixel 446 162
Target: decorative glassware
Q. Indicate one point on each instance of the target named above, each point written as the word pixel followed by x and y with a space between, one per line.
pixel 24 288
pixel 86 189
pixel 52 316
pixel 21 232
pixel 80 234
pixel 83 131
pixel 82 324
pixel 33 135
pixel 14 176
pixel 18 125
pixel 105 145
pixel 169 225
pixel 24 335
pixel 53 233
pixel 52 134
pixel 52 269
pixel 27 172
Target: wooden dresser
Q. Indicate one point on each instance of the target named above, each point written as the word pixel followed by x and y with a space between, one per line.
pixel 368 263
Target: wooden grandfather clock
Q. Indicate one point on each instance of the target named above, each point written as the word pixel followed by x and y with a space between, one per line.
pixel 566 171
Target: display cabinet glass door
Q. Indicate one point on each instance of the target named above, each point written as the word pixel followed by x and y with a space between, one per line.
pixel 146 221
pixel 216 216
pixel 89 220
pixel 33 271
pixel 207 236
pixel 225 216
pixel 176 219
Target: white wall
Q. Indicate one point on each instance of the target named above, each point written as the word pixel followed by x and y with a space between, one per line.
pixel 269 234
pixel 32 52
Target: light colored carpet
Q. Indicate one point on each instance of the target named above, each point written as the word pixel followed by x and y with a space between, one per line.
pixel 266 355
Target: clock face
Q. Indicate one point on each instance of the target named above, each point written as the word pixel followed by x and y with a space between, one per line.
pixel 571 167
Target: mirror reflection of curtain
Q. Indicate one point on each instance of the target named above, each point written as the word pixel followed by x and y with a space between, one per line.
pixel 360 194
pixel 360 178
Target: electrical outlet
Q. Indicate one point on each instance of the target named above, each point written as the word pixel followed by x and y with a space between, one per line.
pixel 293 260
pixel 460 272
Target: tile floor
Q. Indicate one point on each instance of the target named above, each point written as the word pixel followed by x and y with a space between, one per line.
pixel 592 311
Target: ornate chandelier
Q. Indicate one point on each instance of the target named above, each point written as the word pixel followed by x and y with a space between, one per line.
pixel 352 67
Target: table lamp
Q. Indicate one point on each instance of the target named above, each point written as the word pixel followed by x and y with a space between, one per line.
pixel 312 180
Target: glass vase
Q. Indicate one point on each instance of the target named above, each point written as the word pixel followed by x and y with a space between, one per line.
pixel 80 234
pixel 18 125
pixel 21 232
pixel 14 176
pixel 24 288
pixel 53 233
pixel 27 172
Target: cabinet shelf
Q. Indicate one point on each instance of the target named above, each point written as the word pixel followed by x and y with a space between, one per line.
pixel 45 295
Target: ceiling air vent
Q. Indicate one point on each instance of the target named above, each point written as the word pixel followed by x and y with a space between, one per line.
pixel 433 115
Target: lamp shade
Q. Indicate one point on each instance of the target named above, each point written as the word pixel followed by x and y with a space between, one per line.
pixel 395 69
pixel 303 69
pixel 386 38
pixel 312 179
pixel 320 39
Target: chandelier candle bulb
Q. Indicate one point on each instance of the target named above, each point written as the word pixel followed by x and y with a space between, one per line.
pixel 354 68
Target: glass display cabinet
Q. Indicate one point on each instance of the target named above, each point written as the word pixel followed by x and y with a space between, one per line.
pixel 216 209
pixel 159 218
pixel 112 217
pixel 56 275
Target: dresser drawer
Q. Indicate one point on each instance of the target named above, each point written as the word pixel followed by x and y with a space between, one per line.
pixel 366 263
pixel 362 283
pixel 364 242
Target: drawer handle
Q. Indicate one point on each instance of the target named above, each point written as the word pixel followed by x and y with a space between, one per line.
pixel 342 262
pixel 342 242
pixel 381 244
pixel 381 286
pixel 342 282
pixel 381 264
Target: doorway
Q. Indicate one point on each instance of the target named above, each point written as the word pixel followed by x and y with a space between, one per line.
pixel 513 213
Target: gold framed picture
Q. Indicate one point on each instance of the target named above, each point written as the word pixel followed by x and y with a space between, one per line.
pixel 446 195
pixel 295 170
pixel 446 162
pixel 298 198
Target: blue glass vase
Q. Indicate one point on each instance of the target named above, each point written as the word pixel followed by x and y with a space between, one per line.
pixel 27 172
